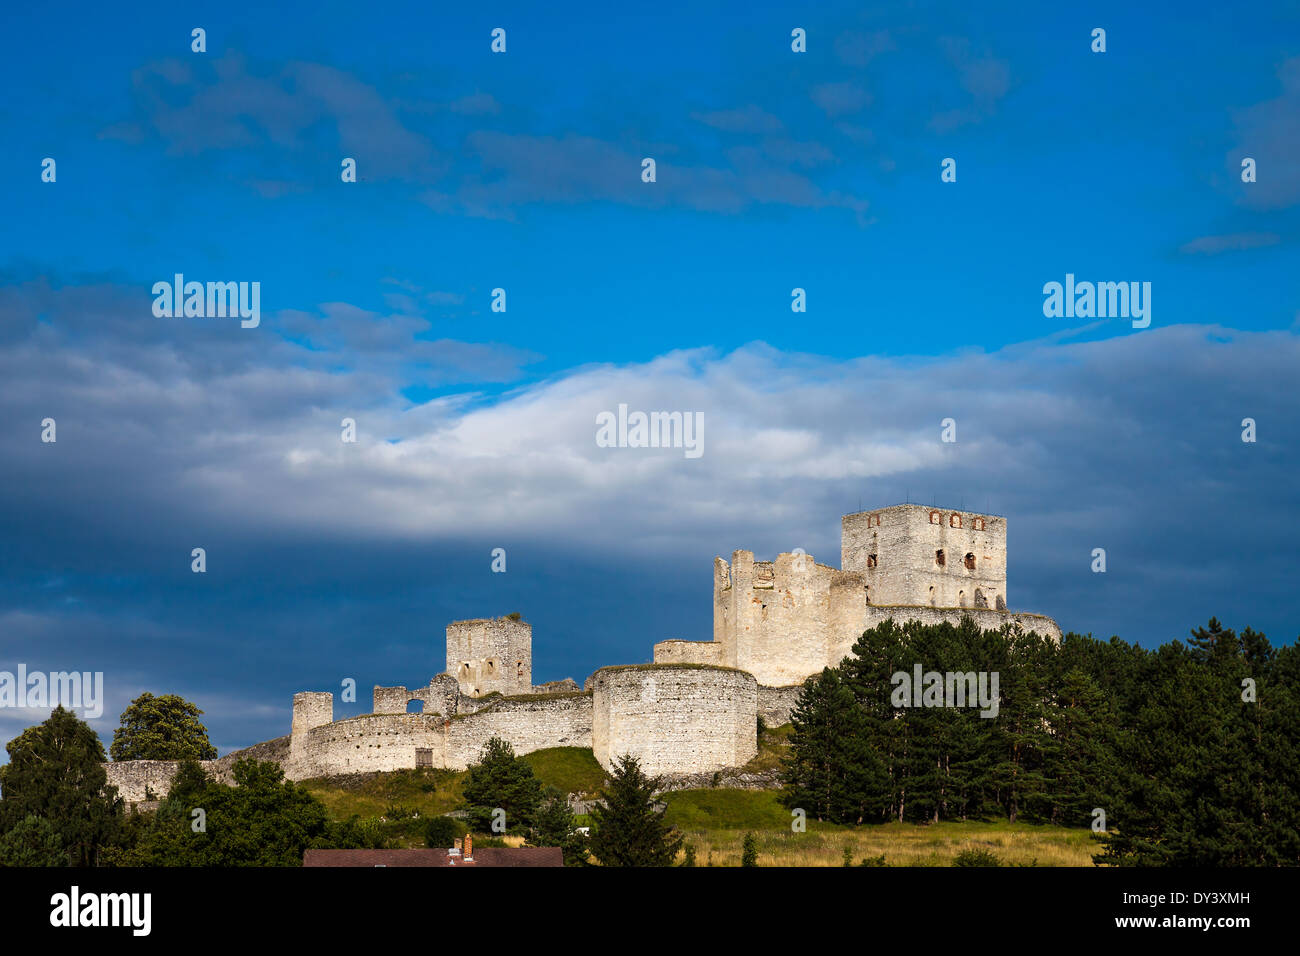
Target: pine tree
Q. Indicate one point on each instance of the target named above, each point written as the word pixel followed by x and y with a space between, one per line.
pixel 832 771
pixel 1080 761
pixel 628 828
pixel 1189 780
pixel 553 825
pixel 501 781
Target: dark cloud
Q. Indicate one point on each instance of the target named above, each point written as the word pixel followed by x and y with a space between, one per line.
pixel 329 560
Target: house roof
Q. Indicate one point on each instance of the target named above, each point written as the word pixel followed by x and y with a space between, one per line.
pixel 483 856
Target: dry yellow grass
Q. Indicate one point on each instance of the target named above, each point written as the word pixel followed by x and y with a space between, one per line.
pixel 901 844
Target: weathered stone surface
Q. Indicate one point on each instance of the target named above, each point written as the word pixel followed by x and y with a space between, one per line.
pixel 675 718
pixel 383 742
pixel 491 655
pixel 140 782
pixel 775 703
pixel 440 697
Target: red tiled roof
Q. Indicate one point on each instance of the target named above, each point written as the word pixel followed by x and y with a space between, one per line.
pixel 483 856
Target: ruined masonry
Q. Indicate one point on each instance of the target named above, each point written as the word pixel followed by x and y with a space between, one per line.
pixel 695 709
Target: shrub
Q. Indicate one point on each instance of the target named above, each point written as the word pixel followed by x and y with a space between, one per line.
pixel 442 832
pixel 976 858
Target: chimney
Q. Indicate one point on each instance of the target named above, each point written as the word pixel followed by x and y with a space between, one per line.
pixel 469 846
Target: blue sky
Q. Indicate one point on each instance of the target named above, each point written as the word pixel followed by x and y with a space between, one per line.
pixel 521 170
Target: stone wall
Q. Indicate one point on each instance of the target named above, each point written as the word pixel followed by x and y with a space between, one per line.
pixel 386 742
pixel 776 616
pixel 139 781
pixel 491 655
pixel 440 697
pixel 675 718
pixel 778 619
pixel 987 620
pixel 528 722
pixel 373 742
pixel 775 703
pixel 275 751
pixel 688 652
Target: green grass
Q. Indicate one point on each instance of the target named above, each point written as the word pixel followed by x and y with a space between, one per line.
pixel 403 800
pixel 772 746
pixel 428 792
pixel 716 821
pixel 400 801
pixel 568 769
pixel 725 810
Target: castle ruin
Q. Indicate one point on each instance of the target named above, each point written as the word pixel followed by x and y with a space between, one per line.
pixel 787 619
pixel 693 710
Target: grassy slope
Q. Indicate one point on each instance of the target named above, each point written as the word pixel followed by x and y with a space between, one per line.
pixel 568 769
pixel 715 821
pixel 772 746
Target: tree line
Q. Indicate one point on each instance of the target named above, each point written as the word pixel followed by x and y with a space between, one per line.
pixel 1188 754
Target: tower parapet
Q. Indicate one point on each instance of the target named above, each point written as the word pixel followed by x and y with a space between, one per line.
pixel 928 557
pixel 489 655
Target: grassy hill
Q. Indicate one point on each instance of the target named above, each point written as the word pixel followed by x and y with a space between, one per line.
pixel 568 769
pixel 715 821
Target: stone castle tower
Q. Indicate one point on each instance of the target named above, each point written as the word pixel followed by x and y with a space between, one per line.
pixel 785 620
pixel 914 555
pixel 491 654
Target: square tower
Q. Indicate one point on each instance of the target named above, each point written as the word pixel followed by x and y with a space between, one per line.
pixel 491 654
pixel 916 555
